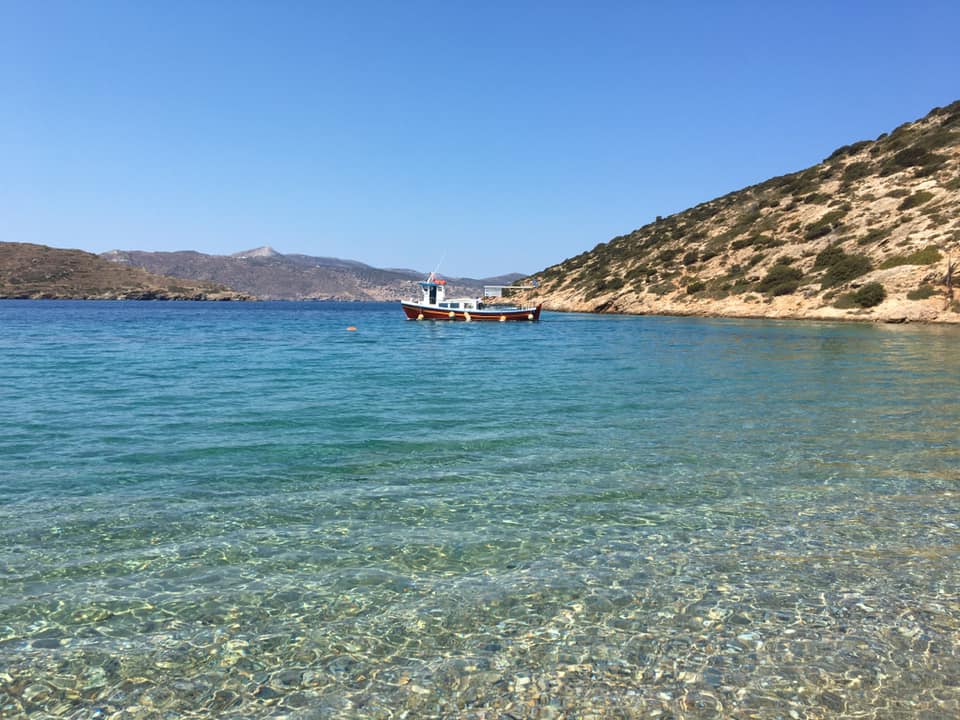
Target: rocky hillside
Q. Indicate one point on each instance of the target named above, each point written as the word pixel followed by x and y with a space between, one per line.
pixel 41 272
pixel 869 233
pixel 274 276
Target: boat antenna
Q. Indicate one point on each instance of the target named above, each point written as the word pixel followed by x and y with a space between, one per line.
pixel 436 270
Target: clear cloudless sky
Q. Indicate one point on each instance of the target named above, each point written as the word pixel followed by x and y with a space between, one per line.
pixel 488 136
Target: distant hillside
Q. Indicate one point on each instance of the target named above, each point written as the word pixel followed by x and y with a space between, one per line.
pixel 270 275
pixel 38 271
pixel 869 233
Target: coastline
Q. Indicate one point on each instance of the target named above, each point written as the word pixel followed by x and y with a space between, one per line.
pixel 927 312
pixel 145 296
pixel 854 317
pixel 894 310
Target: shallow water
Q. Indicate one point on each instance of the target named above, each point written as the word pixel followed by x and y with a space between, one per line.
pixel 244 510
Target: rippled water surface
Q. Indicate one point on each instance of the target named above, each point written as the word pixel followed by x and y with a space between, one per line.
pixel 245 510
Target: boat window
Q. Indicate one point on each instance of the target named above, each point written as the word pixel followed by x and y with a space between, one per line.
pixel 454 305
pixel 444 304
pixel 468 306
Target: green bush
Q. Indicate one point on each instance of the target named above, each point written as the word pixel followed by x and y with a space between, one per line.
pixel 915 200
pixel 856 171
pixel 927 256
pixel 744 222
pixel 780 280
pixel 785 288
pixel 641 271
pixel 740 286
pixel 913 156
pixel 910 156
pixel 922 293
pixel 829 256
pixel 696 286
pixel 817 231
pixel 845 302
pixel 691 257
pixel 604 286
pixel 874 235
pixel 848 150
pixel 844 270
pixel 661 289
pixel 869 295
pixel 825 225
pixel 716 293
pixel 735 270
pixel 797 183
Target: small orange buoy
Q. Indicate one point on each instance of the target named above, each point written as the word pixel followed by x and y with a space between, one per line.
pixel 352 328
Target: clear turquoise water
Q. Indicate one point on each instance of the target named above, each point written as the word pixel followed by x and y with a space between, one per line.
pixel 244 510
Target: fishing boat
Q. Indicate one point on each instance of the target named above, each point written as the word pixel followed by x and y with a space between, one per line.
pixel 434 305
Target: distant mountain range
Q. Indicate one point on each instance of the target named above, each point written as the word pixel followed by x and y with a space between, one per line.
pixel 269 275
pixel 39 272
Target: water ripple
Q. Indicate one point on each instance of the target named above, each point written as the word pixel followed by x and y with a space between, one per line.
pixel 244 511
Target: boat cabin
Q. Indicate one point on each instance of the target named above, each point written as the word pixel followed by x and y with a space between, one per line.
pixel 435 305
pixel 433 292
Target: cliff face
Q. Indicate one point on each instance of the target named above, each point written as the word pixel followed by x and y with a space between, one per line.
pixel 870 233
pixel 40 272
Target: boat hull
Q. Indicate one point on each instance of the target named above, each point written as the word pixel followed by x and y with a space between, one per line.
pixel 416 311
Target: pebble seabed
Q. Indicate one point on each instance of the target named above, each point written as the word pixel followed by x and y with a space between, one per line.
pixel 725 616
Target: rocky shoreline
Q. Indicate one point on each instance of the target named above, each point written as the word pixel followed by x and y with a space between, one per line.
pixel 934 310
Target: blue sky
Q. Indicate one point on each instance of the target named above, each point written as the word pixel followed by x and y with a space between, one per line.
pixel 489 136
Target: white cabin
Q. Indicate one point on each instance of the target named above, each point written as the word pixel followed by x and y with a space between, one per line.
pixel 434 293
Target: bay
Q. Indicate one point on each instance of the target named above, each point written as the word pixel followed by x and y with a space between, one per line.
pixel 247 510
